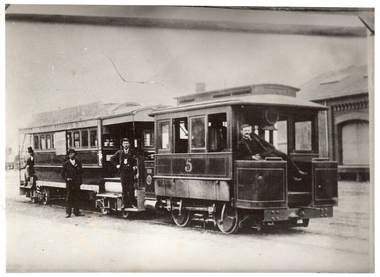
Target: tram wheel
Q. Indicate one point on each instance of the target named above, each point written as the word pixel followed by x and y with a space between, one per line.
pixel 124 213
pixel 228 220
pixel 45 196
pixel 183 219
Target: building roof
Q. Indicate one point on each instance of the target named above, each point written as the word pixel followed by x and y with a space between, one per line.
pixel 352 80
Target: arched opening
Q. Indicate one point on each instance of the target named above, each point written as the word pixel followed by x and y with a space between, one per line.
pixel 354 142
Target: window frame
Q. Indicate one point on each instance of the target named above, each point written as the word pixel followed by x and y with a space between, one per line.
pixel 40 141
pixel 79 138
pixel 159 125
pixel 205 122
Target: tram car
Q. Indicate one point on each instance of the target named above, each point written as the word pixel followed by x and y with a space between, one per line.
pixel 200 176
pixel 95 131
pixel 188 161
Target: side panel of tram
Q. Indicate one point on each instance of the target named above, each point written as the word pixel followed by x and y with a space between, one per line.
pixel 50 144
pixel 193 155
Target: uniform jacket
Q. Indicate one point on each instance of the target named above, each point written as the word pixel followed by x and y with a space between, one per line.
pixel 30 167
pixel 72 171
pixel 248 148
pixel 118 159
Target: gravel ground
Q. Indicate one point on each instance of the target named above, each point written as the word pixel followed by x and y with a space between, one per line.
pixel 40 239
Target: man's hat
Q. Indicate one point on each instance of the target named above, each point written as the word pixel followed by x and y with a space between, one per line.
pixel 125 139
pixel 30 150
pixel 244 126
pixel 71 151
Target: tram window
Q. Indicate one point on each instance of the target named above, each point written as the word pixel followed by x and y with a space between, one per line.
pixel 181 135
pixel 93 138
pixel 217 132
pixel 42 142
pixel 69 140
pixel 48 142
pixel 148 138
pixel 76 139
pixel 303 136
pixel 36 142
pixel 163 135
pixel 281 136
pixel 84 137
pixel 198 134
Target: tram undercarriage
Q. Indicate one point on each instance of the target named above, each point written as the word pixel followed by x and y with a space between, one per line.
pixel 230 219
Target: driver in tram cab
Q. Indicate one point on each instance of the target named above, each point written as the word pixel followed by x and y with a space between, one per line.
pixel 252 147
pixel 125 161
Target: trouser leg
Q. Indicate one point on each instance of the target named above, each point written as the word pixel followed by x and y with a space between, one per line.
pixel 128 194
pixel 124 198
pixel 131 192
pixel 76 198
pixel 127 188
pixel 69 199
pixel 293 168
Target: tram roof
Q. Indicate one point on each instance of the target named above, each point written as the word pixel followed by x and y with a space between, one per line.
pixel 252 100
pixel 108 113
pixel 139 113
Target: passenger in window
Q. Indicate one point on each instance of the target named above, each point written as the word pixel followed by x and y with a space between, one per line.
pixel 125 161
pixel 252 147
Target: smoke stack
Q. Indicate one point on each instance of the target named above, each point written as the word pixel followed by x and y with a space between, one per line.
pixel 200 87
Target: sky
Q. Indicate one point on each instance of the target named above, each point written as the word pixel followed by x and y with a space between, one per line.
pixel 54 66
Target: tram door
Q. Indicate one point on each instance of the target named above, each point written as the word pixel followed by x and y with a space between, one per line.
pixel 111 142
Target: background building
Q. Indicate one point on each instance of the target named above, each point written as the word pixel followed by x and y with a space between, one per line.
pixel 344 128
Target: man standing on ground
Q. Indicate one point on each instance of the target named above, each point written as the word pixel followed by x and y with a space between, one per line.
pixel 72 174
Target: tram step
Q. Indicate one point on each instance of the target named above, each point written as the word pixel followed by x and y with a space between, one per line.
pixel 133 209
pixel 109 195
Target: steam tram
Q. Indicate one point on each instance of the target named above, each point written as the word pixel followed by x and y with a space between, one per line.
pixel 188 162
pixel 198 173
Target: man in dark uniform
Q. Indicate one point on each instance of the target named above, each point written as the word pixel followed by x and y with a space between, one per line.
pixel 252 147
pixel 72 174
pixel 126 161
pixel 30 173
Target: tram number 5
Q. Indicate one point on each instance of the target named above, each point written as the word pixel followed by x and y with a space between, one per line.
pixel 189 166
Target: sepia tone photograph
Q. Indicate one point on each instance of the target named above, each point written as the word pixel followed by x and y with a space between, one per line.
pixel 146 138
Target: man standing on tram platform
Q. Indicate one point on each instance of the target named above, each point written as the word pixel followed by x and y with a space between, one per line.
pixel 72 174
pixel 125 161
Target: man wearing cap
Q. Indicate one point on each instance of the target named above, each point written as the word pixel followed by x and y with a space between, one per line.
pixel 72 174
pixel 252 147
pixel 125 161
